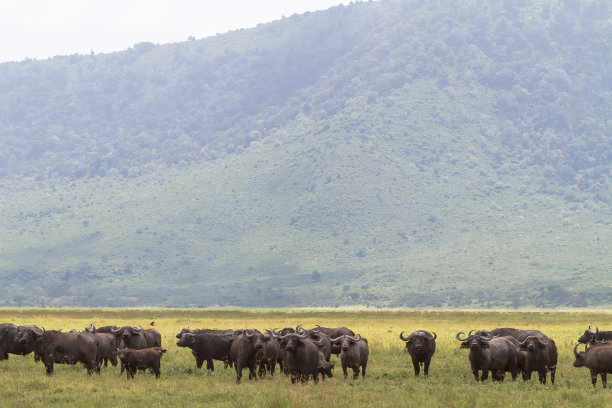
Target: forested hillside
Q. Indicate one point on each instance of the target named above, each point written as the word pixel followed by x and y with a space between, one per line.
pixel 392 154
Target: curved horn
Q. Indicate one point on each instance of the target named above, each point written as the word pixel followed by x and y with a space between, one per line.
pixel 356 338
pixel 116 331
pixel 316 329
pixel 304 334
pixel 575 352
pixel 524 341
pixel 299 328
pixel 404 338
pixel 337 338
pixel 488 335
pixel 249 333
pixel 459 338
pixel 319 341
pixel 37 331
pixel 435 336
pixel 543 342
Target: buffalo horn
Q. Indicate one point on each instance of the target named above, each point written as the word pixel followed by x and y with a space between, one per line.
pixel 316 329
pixel 249 333
pixel 337 338
pixel 575 352
pixel 435 336
pixel 488 335
pixel 404 338
pixel 37 331
pixel 459 338
pixel 356 338
pixel 304 334
pixel 115 331
pixel 543 342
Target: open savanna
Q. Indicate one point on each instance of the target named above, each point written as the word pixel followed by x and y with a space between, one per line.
pixel 390 380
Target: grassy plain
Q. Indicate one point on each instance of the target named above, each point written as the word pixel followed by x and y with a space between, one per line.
pixel 390 380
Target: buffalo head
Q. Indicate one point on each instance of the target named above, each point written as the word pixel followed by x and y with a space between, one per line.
pixel 345 341
pixel 480 339
pixel 418 339
pixel 531 343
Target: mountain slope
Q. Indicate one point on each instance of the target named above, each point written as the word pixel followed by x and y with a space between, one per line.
pixel 396 154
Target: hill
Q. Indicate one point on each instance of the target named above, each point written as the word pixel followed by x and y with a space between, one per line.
pixel 394 154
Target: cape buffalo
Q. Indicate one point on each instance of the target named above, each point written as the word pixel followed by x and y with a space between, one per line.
pixel 267 356
pixel 598 359
pixel 354 354
pixel 243 351
pixel 107 349
pixel 104 329
pixel 421 346
pixel 541 356
pixel 489 353
pixel 321 338
pixel 9 344
pixel 63 348
pixel 148 358
pixel 302 356
pixel 591 336
pixel 335 333
pixel 207 346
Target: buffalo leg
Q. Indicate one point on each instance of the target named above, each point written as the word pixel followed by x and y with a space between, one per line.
pixel 209 365
pixel 604 380
pixel 542 376
pixel 417 368
pixel 49 368
pixel 426 367
pixel 344 371
pixel 553 371
pixel 485 374
pixel 238 373
pixel 252 371
pixel 363 369
pixel 594 378
pixel 199 362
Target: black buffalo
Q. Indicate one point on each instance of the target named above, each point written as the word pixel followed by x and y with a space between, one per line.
pixel 207 347
pixel 598 359
pixel 227 332
pixel 591 336
pixel 244 349
pixel 268 356
pixel 321 338
pixel 63 348
pixel 540 355
pixel 104 329
pixel 354 354
pixel 325 367
pixel 303 355
pixel 489 353
pixel 282 352
pixel 421 346
pixel 142 359
pixel 107 349
pixel 9 344
pixel 335 333
pixel 136 337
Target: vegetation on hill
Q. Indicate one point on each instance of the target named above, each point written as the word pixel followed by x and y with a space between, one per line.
pixel 392 153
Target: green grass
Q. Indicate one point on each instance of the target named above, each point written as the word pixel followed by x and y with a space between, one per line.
pixel 390 381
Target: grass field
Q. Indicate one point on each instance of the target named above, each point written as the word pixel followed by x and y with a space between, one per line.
pixel 390 380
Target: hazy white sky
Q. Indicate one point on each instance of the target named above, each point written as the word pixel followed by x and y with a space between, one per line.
pixel 41 29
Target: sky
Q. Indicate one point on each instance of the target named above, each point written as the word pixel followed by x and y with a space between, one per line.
pixel 39 29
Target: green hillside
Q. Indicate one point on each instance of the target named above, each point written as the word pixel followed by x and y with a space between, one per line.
pixel 384 154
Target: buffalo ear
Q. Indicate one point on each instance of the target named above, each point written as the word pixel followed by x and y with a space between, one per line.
pixel 163 350
pixel 464 345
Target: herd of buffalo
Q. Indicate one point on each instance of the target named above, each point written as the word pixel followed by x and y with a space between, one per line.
pixel 299 353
